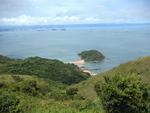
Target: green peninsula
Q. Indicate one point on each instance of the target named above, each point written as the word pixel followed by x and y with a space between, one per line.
pixel 44 68
pixel 91 56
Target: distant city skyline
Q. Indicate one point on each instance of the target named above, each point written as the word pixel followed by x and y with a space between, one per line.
pixel 46 12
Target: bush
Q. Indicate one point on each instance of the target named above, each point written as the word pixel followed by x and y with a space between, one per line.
pixel 124 94
pixel 71 92
pixel 12 102
pixel 58 95
pixel 84 105
pixel 8 102
pixel 32 87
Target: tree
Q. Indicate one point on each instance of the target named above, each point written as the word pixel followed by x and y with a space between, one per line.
pixel 124 94
pixel 72 92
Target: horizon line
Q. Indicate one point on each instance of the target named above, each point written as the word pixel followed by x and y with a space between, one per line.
pixel 76 24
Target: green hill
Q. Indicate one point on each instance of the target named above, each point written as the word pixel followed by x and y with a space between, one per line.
pixel 30 93
pixel 140 67
pixel 42 67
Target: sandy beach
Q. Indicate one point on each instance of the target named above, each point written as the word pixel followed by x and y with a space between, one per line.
pixel 80 64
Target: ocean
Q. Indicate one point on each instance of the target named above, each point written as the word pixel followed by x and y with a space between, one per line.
pixel 119 43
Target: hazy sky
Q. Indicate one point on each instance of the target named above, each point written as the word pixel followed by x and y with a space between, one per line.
pixel 31 12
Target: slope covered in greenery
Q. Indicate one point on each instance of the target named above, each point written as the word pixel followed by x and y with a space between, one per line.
pixel 32 94
pixel 140 67
pixel 45 68
pixel 23 93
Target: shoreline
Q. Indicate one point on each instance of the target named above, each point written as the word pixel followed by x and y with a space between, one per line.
pixel 80 63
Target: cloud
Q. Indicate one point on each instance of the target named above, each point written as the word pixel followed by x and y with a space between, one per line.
pixel 92 19
pixel 18 12
pixel 23 20
pixel 28 20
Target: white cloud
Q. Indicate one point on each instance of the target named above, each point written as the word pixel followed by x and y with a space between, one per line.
pixel 65 19
pixel 73 11
pixel 23 20
pixel 92 19
pixel 28 20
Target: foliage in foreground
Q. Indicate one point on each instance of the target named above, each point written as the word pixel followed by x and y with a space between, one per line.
pixel 11 102
pixel 73 106
pixel 31 94
pixel 124 94
pixel 140 66
pixel 8 102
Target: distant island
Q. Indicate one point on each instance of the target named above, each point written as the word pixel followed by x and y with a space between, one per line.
pixel 91 56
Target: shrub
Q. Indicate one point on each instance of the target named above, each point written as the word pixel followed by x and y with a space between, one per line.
pixel 2 84
pixel 84 105
pixel 8 102
pixel 58 95
pixel 17 78
pixel 72 92
pixel 124 94
pixel 32 87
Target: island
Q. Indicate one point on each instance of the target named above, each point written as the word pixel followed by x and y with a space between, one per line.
pixel 91 56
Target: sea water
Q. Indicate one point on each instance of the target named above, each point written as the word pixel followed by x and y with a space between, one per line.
pixel 119 44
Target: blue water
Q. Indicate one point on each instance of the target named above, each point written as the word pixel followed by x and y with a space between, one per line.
pixel 118 43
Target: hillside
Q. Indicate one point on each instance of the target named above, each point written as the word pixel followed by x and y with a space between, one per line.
pixel 140 66
pixel 32 94
pixel 44 68
pixel 23 93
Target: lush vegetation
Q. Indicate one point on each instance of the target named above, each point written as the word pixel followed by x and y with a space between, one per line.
pixel 31 94
pixel 140 67
pixel 124 94
pixel 38 85
pixel 91 56
pixel 45 68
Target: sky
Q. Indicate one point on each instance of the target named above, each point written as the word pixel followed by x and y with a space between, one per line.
pixel 46 12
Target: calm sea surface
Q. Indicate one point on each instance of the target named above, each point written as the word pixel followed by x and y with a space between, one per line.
pixel 118 43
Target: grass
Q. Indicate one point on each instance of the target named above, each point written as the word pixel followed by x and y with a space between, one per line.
pixel 140 66
pixel 39 95
pixel 67 107
pixel 42 95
